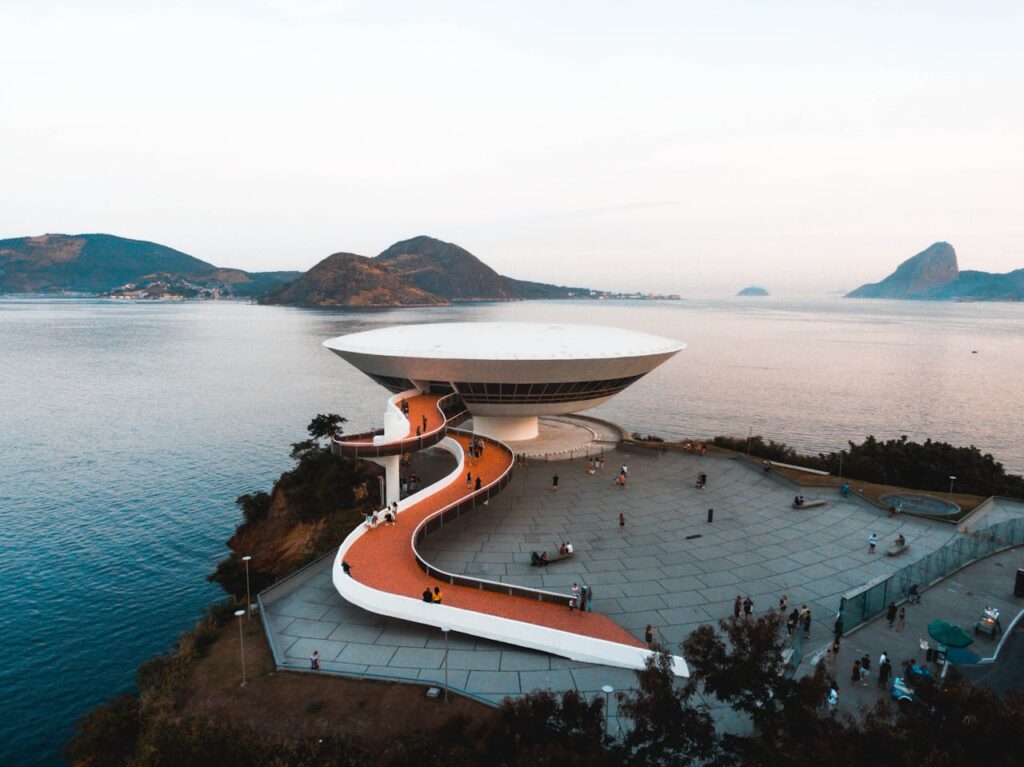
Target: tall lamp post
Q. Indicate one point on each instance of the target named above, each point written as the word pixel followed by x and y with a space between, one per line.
pixel 248 598
pixel 445 630
pixel 241 641
pixel 952 479
pixel 607 690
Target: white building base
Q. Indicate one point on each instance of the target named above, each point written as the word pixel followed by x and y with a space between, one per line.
pixel 506 428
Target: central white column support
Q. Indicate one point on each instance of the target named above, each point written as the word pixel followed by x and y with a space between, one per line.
pixel 392 482
pixel 506 428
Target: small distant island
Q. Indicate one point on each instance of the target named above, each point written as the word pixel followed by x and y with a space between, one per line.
pixel 934 275
pixel 753 290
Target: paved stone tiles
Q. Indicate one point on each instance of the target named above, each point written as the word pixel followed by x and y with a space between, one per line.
pixel 653 572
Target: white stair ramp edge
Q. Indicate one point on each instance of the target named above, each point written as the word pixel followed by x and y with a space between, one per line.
pixel 566 644
pixel 396 425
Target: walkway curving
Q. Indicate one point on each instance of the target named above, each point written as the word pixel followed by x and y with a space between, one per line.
pixel 383 565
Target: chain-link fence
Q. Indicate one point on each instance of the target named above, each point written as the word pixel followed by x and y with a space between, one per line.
pixel 870 601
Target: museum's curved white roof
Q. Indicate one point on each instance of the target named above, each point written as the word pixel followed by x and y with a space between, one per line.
pixel 503 341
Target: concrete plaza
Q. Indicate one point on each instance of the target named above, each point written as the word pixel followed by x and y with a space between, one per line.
pixel 655 571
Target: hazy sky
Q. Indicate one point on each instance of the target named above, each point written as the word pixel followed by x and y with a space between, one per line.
pixel 660 146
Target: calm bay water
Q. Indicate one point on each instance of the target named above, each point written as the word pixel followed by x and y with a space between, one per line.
pixel 126 431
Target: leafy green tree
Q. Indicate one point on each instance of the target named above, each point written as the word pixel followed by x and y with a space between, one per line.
pixel 322 427
pixel 742 663
pixel 667 728
pixel 539 730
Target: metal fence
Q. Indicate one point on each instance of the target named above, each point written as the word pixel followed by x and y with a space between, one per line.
pixel 863 604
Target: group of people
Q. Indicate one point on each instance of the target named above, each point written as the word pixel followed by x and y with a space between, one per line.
pixel 900 541
pixel 595 463
pixel 388 515
pixel 469 481
pixel 475 450
pixel 432 597
pixel 581 599
pixel 896 617
pixel 799 619
pixel 539 560
pixel 895 509
pixel 798 500
pixel 410 484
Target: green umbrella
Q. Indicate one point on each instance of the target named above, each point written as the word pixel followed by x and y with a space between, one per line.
pixel 949 634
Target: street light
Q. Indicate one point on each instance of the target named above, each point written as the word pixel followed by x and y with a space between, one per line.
pixel 445 630
pixel 952 479
pixel 241 641
pixel 607 690
pixel 248 598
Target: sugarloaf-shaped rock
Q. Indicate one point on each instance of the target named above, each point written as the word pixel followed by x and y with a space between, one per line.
pixel 753 290
pixel 349 280
pixel 933 274
pixel 917 277
pixel 447 270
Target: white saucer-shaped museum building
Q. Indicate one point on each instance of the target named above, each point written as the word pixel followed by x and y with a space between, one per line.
pixel 507 373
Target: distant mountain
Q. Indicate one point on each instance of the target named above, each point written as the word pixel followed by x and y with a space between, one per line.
pixel 447 270
pixel 348 280
pixel 753 290
pixel 102 263
pixel 933 274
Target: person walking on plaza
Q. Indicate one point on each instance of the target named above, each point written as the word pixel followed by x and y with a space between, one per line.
pixel 554 484
pixel 427 596
pixel 748 606
pixel 901 618
pixel 884 672
pixel 622 523
pixel 314 661
pixel 437 595
pixel 737 607
pixel 649 635
pixel 807 624
pixel 783 603
pixel 575 599
pixel 478 483
pixel 872 542
pixel 890 614
pixel 855 672
pixel 469 479
pixel 424 422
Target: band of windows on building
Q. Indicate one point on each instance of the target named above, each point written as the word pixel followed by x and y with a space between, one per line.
pixel 516 393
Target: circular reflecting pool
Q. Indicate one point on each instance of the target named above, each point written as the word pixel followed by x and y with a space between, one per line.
pixel 921 504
